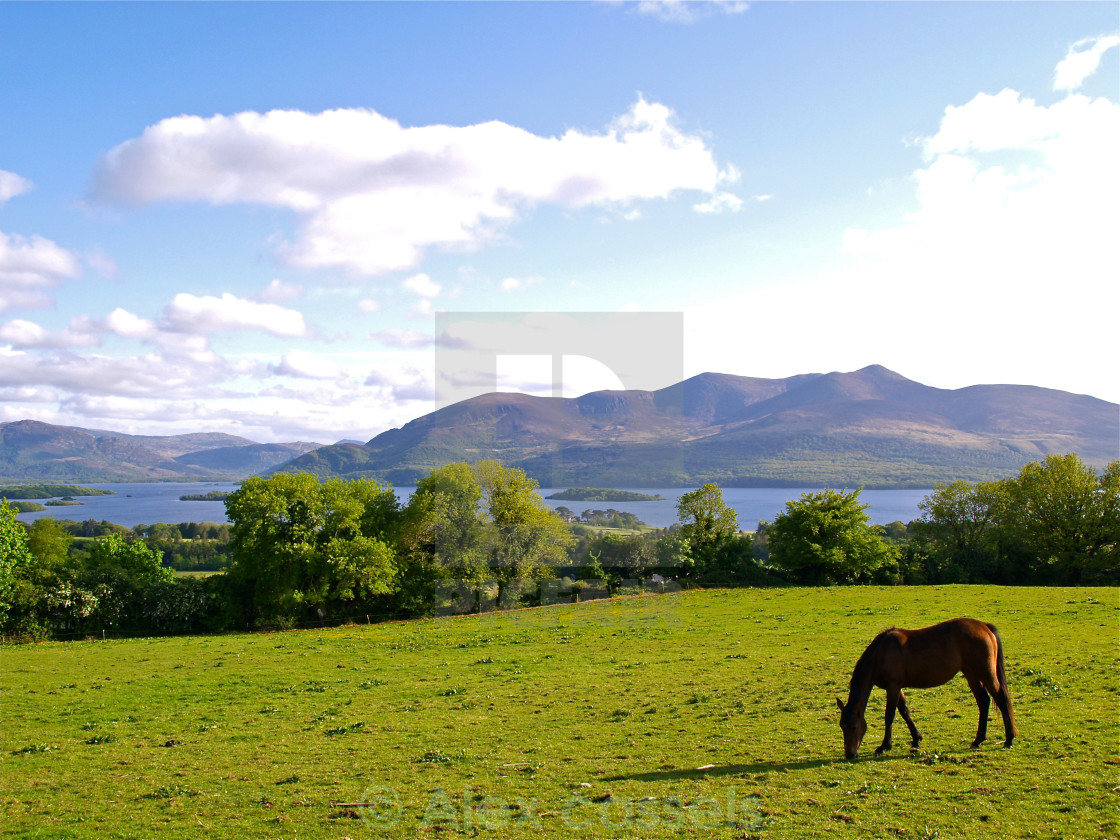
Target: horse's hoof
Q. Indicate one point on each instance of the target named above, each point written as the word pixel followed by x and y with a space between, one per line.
pixel 976 744
pixel 880 750
pixel 1007 744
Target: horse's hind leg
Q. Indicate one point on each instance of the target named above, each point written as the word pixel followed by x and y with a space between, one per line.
pixel 1003 701
pixel 984 703
pixel 904 710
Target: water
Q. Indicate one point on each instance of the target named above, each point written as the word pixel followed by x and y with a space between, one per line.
pixel 142 503
pixel 133 504
pixel 753 504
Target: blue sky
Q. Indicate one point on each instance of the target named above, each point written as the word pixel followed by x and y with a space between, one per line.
pixel 242 217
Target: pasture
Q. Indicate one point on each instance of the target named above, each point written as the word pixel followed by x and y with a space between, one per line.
pixel 585 721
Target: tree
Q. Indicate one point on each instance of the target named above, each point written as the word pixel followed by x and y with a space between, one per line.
pixel 301 548
pixel 528 539
pixel 1056 522
pixel 131 558
pixel 442 537
pixel 674 554
pixel 37 593
pixel 622 555
pixel 707 523
pixel 49 542
pixel 177 606
pixel 472 525
pixel 443 523
pixel 958 533
pixel 825 538
pixel 1062 516
pixel 108 590
pixel 14 552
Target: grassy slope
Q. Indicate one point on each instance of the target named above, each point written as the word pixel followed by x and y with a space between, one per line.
pixel 628 697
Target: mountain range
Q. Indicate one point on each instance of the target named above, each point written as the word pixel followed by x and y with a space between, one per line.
pixel 871 427
pixel 31 451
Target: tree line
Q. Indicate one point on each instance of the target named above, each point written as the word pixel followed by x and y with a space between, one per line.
pixel 301 551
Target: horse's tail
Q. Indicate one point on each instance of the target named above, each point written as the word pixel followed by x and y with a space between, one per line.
pixel 1001 675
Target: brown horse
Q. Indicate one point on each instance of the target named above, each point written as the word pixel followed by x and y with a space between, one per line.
pixel 899 659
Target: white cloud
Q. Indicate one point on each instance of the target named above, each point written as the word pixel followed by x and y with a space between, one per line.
pixel 403 339
pixel 422 285
pixel 189 313
pixel 304 365
pixel 123 323
pixel 720 203
pixel 1082 61
pixel 368 306
pixel 401 383
pixel 1007 177
pixel 12 185
pixel 373 196
pixel 25 335
pixel 687 11
pixel 278 292
pixel 1004 271
pixel 182 385
pixel 272 414
pixel 101 263
pixel 27 395
pixel 180 334
pixel 1008 121
pixel 422 309
pixel 511 284
pixel 135 408
pixel 143 376
pixel 29 268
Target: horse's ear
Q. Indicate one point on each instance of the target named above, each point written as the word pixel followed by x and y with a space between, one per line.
pixel 839 704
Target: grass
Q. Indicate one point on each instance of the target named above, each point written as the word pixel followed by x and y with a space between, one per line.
pixel 708 714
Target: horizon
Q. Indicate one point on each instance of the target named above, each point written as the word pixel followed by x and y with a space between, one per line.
pixel 544 396
pixel 244 218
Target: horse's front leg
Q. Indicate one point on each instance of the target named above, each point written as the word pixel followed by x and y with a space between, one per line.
pixel 904 710
pixel 893 693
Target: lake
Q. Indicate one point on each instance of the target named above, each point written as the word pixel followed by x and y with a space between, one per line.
pixel 147 503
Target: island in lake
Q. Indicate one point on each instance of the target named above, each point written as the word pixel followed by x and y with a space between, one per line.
pixel 212 496
pixel 26 507
pixel 602 494
pixel 49 491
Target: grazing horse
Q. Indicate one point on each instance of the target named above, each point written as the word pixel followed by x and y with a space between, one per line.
pixel 899 659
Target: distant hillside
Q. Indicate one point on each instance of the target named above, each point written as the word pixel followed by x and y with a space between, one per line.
pixel 871 427
pixel 31 451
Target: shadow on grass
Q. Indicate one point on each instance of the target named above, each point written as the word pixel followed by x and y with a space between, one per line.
pixel 724 770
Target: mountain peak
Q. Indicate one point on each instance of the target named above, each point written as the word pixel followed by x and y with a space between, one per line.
pixel 870 427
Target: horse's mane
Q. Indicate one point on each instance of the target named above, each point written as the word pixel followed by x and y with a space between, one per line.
pixel 866 661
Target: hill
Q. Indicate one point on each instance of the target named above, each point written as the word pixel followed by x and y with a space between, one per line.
pixel 871 427
pixel 31 451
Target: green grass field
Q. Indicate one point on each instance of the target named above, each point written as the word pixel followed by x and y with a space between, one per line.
pixel 588 721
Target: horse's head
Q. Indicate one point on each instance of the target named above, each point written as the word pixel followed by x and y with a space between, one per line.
pixel 854 728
